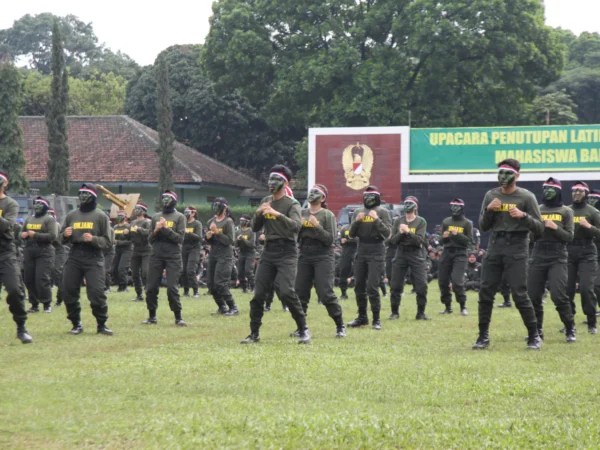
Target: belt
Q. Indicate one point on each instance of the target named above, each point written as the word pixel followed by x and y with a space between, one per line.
pixel 408 248
pixel 38 244
pixel 455 249
pixel 280 244
pixel 550 245
pixel 581 242
pixel 511 234
pixel 370 240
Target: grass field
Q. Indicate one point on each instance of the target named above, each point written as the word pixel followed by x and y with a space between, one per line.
pixel 411 385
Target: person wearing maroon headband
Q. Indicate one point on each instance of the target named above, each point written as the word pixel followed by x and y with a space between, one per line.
pixel 371 224
pixel 583 255
pixel 88 231
pixel 60 257
pixel 9 269
pixel 190 251
pixel 457 237
pixel 549 259
pixel 39 231
pixel 409 232
pixel 510 213
pixel 279 215
pixel 123 251
pixel 168 230
pixel 140 232
pixel 594 200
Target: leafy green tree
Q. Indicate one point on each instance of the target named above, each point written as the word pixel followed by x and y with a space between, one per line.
pixel 58 149
pixel 555 106
pixel 11 135
pixel 165 122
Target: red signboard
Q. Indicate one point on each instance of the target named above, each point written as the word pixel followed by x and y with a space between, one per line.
pixel 349 160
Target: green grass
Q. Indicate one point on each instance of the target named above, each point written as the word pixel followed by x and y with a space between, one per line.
pixel 411 385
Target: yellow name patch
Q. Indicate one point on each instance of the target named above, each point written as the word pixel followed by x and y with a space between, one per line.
pixel 1 211
pixel 413 230
pixel 505 207
pixel 307 224
pixel 83 225
pixel 347 233
pixel 368 219
pixel 34 226
pixel 457 229
pixel 189 230
pixel 578 219
pixel 170 224
pixel 554 217
pixel 270 216
pixel 119 231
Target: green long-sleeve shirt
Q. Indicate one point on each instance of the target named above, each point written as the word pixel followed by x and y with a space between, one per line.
pixel 370 229
pixel 9 210
pixel 562 216
pixel 166 242
pixel 193 234
pixel 222 243
pixel 122 238
pixel 416 237
pixel 285 226
pixel 325 231
pixel 501 220
pixel 140 235
pixel 245 241
pixel 464 232
pixel 94 222
pixel 592 215
pixel 44 227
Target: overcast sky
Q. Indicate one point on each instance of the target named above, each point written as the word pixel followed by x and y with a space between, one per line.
pixel 137 28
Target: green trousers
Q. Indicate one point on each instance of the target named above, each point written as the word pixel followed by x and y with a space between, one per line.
pixel 452 268
pixel 406 258
pixel 37 272
pixel 369 270
pixel 583 265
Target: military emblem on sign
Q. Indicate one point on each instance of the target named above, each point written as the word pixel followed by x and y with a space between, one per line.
pixel 357 161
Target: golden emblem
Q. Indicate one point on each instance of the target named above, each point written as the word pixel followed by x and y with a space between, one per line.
pixel 357 161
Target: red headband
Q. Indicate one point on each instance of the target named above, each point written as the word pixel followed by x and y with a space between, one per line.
pixel 173 195
pixel 594 194
pixel 289 192
pixel 41 200
pixel 142 206
pixel 558 186
pixel 88 191
pixel 580 186
pixel 458 203
pixel 509 168
pixel 279 174
pixel 3 177
pixel 121 213
pixel 410 200
pixel 372 192
pixel 320 190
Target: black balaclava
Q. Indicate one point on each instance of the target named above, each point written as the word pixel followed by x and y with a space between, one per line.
pixel 219 205
pixel 410 204
pixel 88 197
pixel 371 197
pixel 594 198
pixel 41 206
pixel 552 193
pixel 579 202
pixel 245 220
pixel 457 208
pixel 168 201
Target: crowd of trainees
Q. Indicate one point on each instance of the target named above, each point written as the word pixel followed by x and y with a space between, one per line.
pixel 299 253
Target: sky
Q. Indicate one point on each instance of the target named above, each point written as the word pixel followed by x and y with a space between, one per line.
pixel 142 31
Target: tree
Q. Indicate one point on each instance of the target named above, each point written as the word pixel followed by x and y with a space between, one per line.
pixel 58 149
pixel 556 106
pixel 11 135
pixel 165 122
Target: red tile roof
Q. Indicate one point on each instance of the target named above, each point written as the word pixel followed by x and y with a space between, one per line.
pixel 109 149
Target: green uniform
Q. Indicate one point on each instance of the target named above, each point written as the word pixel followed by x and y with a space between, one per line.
pixel 316 264
pixel 245 243
pixel 39 259
pixel 190 253
pixel 473 275
pixel 508 252
pixel 347 258
pixel 220 262
pixel 390 253
pixel 141 253
pixel 409 255
pixel 60 257
pixel 369 263
pixel 85 261
pixel 453 263
pixel 279 261
pixel 166 254
pixel 549 264
pixel 123 252
pixel 10 274
pixel 583 260
pixel 109 255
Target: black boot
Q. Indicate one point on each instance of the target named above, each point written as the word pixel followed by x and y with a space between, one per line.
pixel 77 328
pixel 151 320
pixel 534 342
pixel 448 310
pixel 233 309
pixel 483 341
pixel 22 334
pixel 463 310
pixel 360 321
pixel 196 294
pixel 47 307
pixel 103 330
pixel 421 313
pixel 507 303
pixel 186 293
pixel 344 295
pixel 253 338
pixel 304 337
pixel 178 320
pixel 570 332
pixel 220 312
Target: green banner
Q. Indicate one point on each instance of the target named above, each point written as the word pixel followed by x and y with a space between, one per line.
pixel 478 150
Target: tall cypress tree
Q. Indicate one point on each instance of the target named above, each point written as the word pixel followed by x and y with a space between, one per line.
pixel 165 123
pixel 58 149
pixel 12 157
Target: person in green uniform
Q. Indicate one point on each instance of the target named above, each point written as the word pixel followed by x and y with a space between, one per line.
pixel 168 230
pixel 583 255
pixel 123 251
pixel 39 231
pixel 549 259
pixel 191 251
pixel 457 235
pixel 279 215
pixel 109 255
pixel 220 236
pixel 316 263
pixel 60 257
pixel 88 231
pixel 409 232
pixel 371 224
pixel 349 246
pixel 473 273
pixel 10 275
pixel 245 244
pixel 594 200
pixel 140 232
pixel 511 213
